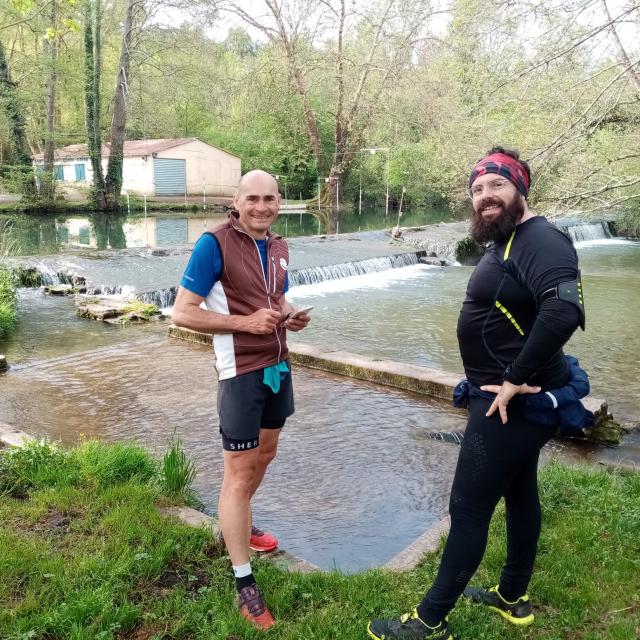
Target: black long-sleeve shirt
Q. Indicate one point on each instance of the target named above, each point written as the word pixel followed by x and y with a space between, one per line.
pixel 502 321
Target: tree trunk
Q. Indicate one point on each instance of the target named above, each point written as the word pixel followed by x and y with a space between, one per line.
pixel 118 124
pixel 51 47
pixel 92 45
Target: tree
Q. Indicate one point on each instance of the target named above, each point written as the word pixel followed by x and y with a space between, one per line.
pixel 357 54
pixel 51 47
pixel 118 123
pixel 10 104
pixel 92 65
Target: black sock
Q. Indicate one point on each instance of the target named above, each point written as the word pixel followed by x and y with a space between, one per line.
pixel 241 583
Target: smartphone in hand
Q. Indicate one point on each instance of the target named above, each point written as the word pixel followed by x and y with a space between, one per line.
pixel 299 312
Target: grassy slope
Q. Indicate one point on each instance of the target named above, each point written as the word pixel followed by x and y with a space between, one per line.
pixel 7 301
pixel 86 555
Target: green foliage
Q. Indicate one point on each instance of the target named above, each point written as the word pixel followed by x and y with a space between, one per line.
pixel 102 563
pixel 628 222
pixel 7 300
pixel 113 464
pixel 177 473
pixel 36 465
pixel 487 80
pixel 141 308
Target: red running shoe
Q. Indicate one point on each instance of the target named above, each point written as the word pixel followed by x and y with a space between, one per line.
pixel 253 608
pixel 261 541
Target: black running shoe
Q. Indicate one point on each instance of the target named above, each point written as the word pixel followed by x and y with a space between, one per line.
pixel 408 627
pixel 519 612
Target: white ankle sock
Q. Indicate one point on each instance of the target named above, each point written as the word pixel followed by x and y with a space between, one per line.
pixel 242 570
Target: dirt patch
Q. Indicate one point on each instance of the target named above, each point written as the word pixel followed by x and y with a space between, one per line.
pixel 153 630
pixel 54 523
pixel 175 574
pixel 214 549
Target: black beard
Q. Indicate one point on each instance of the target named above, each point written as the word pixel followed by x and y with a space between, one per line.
pixel 500 228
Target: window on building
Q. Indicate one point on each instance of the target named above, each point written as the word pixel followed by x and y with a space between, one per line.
pixel 80 173
pixel 58 172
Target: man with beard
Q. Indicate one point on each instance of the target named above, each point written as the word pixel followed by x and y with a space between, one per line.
pixel 523 302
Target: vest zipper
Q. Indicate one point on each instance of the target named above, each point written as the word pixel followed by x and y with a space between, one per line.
pixel 265 277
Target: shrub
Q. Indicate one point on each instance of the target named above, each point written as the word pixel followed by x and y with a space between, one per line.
pixel 144 309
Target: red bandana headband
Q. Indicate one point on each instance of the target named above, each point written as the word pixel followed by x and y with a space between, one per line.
pixel 505 166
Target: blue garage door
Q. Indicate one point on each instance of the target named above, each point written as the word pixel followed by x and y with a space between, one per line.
pixel 169 176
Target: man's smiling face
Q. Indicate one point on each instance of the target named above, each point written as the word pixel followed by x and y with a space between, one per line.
pixel 497 208
pixel 257 203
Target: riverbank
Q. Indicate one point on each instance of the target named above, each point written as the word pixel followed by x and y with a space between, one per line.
pixel 7 300
pixel 86 551
pixel 134 204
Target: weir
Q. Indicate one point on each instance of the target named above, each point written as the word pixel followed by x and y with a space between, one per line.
pixel 579 231
pixel 446 240
pixel 313 275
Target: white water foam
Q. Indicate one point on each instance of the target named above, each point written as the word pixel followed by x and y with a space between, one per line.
pixel 377 280
pixel 604 242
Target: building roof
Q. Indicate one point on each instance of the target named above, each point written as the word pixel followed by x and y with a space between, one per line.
pixel 132 148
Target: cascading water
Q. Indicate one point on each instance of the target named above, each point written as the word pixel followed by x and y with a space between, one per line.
pixel 124 291
pixel 313 275
pixel 162 298
pixel 580 231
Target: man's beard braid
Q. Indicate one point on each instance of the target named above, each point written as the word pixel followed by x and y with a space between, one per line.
pixel 500 228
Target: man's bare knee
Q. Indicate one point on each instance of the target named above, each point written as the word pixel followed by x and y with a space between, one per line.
pixel 267 456
pixel 240 473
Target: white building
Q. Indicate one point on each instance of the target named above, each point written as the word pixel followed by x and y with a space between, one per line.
pixel 164 167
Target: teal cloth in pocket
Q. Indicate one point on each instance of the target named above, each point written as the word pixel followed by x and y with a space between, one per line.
pixel 273 375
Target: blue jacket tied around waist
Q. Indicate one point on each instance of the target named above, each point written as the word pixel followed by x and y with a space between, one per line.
pixel 559 408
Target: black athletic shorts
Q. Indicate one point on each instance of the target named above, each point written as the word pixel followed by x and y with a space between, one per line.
pixel 246 405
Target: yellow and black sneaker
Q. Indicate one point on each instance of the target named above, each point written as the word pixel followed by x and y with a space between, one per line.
pixel 408 627
pixel 519 612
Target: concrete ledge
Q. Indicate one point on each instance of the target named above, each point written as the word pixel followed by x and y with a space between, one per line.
pixel 429 382
pixel 189 335
pixel 282 559
pixel 428 542
pixel 12 437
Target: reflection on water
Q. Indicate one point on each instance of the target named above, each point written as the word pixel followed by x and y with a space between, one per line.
pixel 42 235
pixel 45 235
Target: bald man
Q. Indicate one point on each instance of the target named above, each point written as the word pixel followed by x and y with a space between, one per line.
pixel 239 271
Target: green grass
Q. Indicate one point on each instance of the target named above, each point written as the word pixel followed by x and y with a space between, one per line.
pixel 143 309
pixel 7 301
pixel 177 473
pixel 86 555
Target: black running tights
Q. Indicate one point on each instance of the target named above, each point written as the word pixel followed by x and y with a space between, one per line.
pixel 495 461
